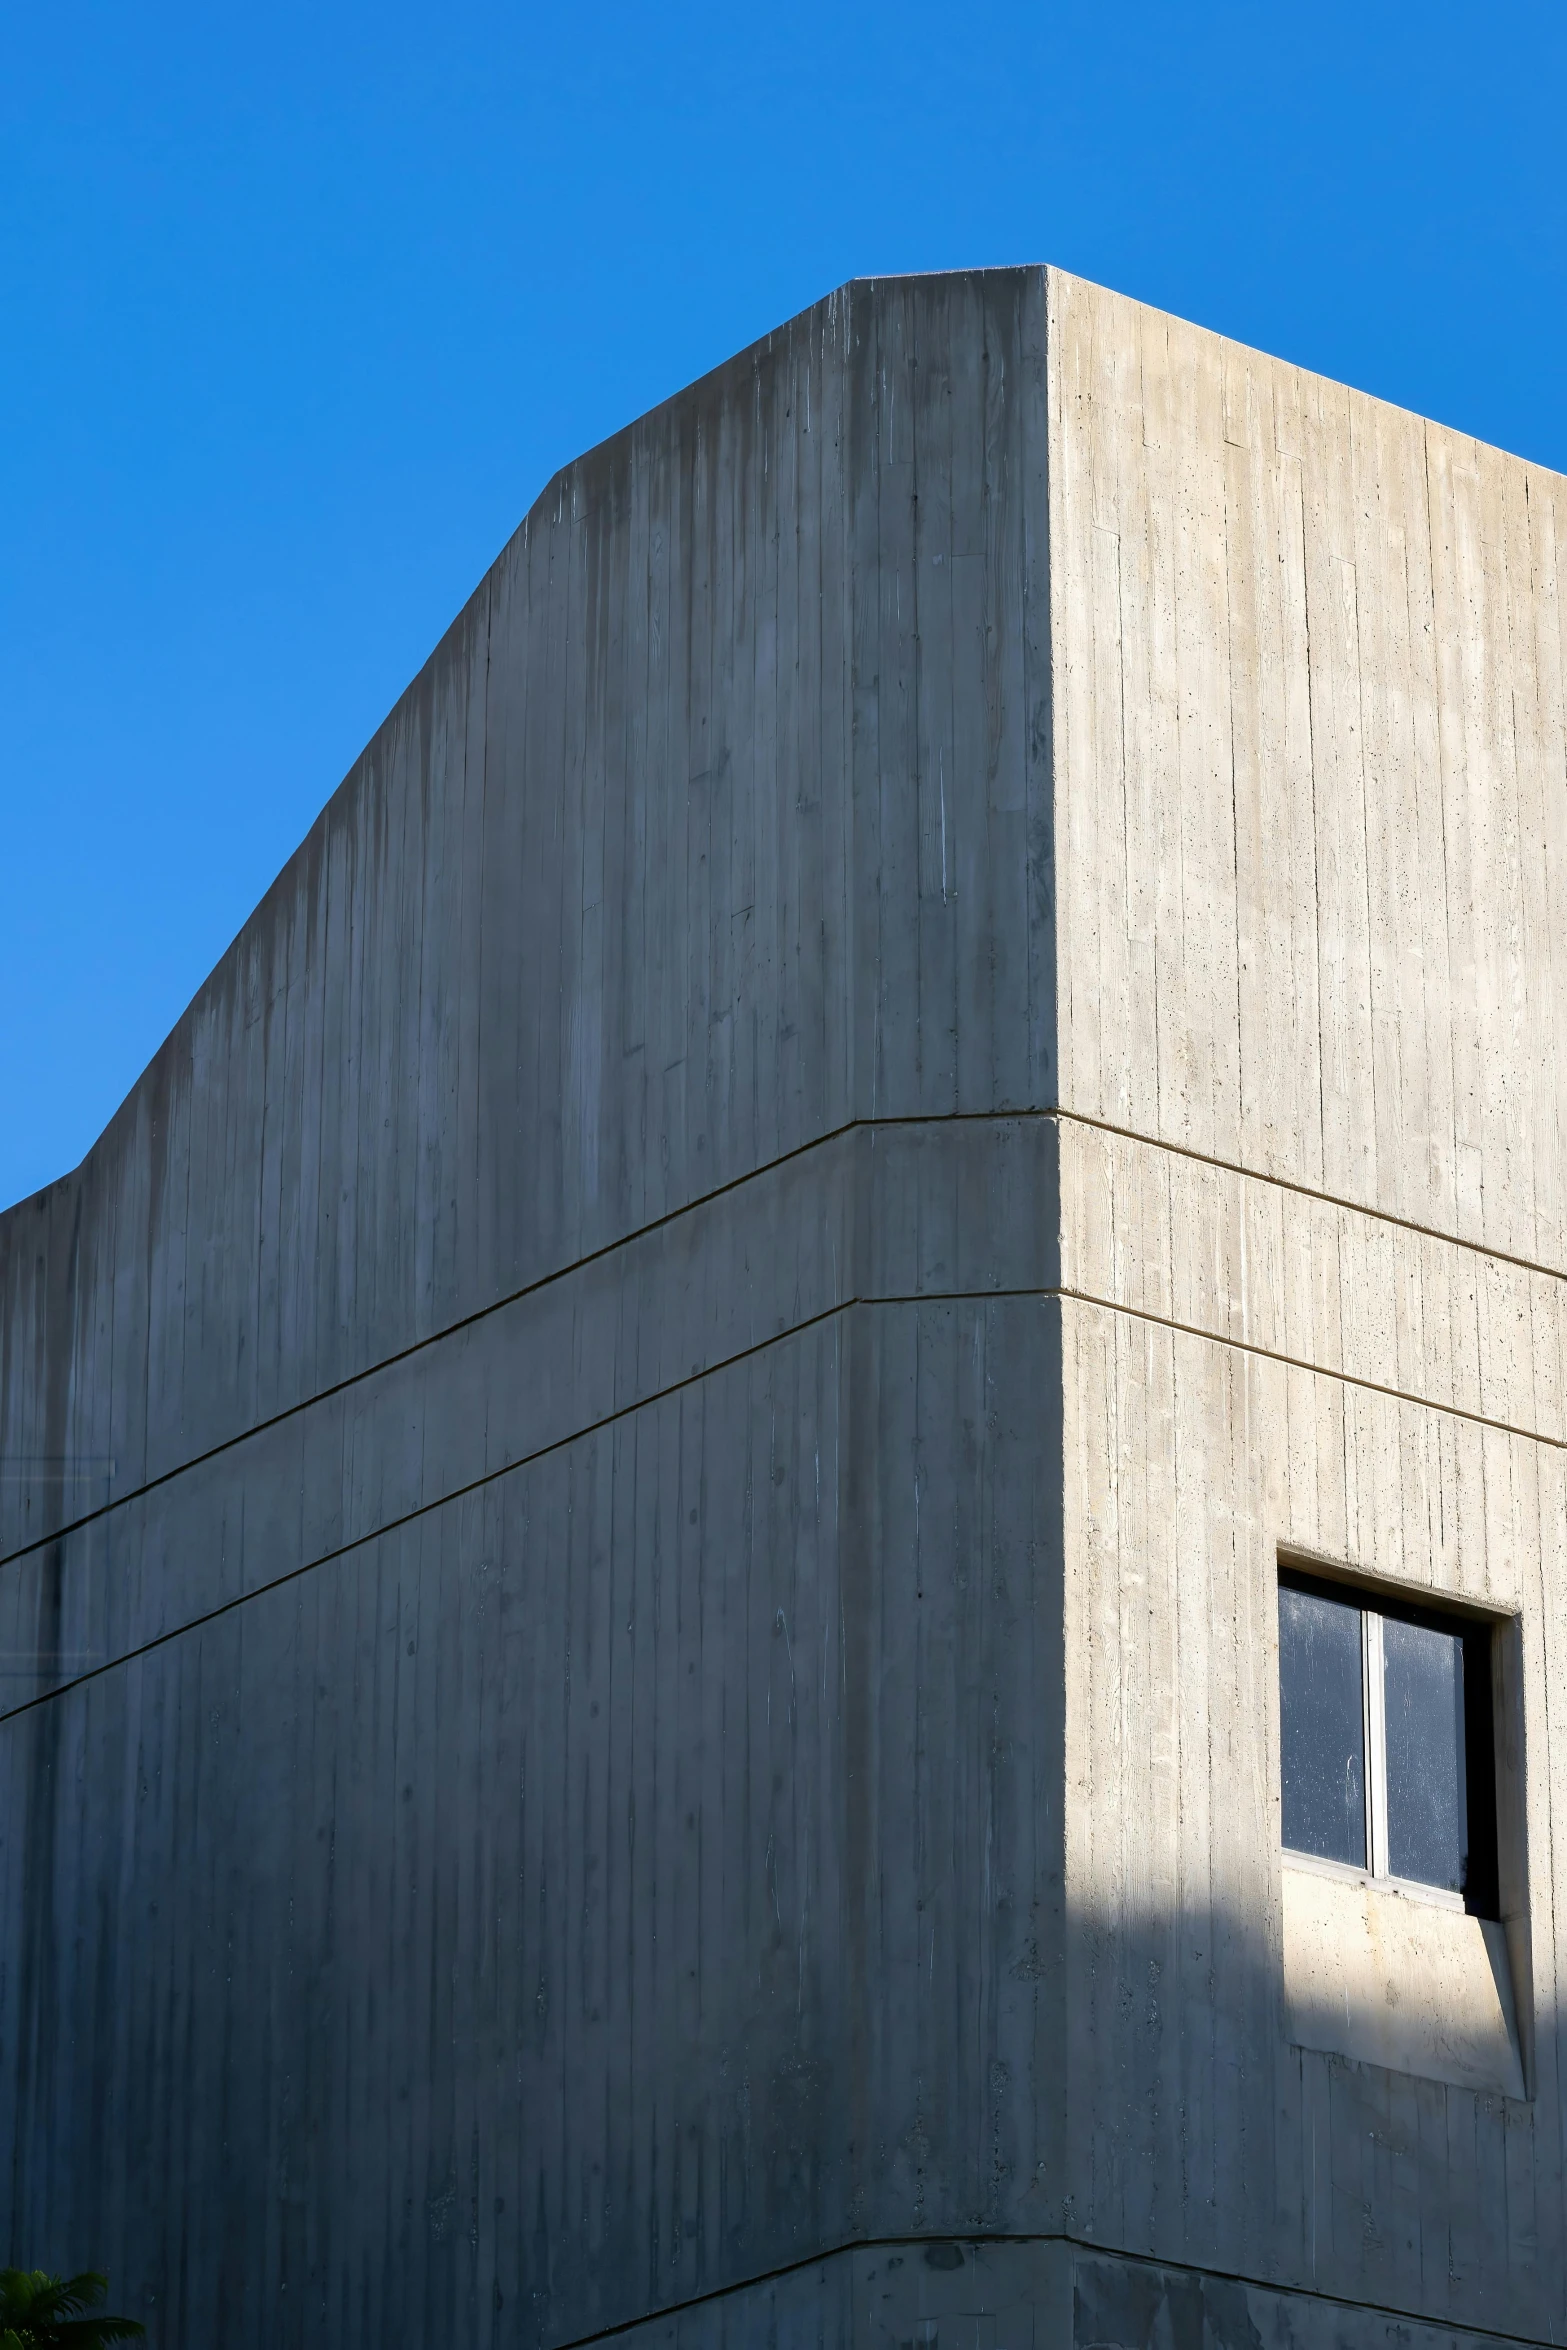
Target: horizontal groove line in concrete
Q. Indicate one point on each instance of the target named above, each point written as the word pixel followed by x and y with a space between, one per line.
pixel 757 1175
pixel 411 1516
pixel 1269 1354
pixel 433 1338
pixel 1297 1189
pixel 1096 2249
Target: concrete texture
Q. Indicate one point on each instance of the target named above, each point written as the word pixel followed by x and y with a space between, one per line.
pixel 643 1478
pixel 1413 1985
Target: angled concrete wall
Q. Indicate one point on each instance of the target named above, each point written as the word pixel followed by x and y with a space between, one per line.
pixel 643 1478
pixel 479 1823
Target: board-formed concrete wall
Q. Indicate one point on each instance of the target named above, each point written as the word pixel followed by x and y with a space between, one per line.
pixel 1311 815
pixel 641 1481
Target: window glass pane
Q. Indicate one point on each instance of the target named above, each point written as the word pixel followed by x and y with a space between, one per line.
pixel 1423 1678
pixel 1323 1736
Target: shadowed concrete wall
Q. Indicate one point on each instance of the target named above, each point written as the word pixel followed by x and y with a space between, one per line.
pixel 636 1551
pixel 708 828
pixel 495 1855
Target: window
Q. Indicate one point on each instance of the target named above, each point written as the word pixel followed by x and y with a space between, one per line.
pixel 1387 1751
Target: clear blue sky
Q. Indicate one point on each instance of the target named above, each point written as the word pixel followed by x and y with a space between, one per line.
pixel 303 304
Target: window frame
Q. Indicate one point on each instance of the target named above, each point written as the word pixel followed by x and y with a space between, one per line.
pixel 1480 1787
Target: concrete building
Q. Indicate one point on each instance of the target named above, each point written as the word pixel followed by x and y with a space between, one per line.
pixel 646 1479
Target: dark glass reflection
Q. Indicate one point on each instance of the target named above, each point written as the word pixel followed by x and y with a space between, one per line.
pixel 1423 1681
pixel 1323 1735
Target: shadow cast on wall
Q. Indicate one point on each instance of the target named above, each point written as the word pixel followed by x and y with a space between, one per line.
pixel 405 2073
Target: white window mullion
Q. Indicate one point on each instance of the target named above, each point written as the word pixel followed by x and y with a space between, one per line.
pixel 1376 1743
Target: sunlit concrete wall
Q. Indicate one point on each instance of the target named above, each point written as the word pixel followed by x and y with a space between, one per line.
pixel 1311 818
pixel 642 1478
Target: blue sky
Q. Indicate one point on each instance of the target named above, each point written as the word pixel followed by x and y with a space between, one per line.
pixel 302 306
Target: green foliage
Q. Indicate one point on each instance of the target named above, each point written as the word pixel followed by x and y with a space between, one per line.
pixel 40 2312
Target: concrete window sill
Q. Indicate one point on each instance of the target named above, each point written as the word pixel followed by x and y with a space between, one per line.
pixel 1389 1978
